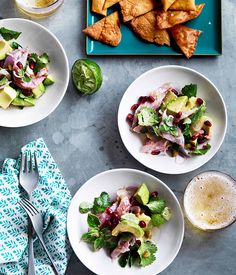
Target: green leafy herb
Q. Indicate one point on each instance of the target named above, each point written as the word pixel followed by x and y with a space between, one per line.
pixel 147 117
pixel 147 251
pixel 9 34
pixel 169 129
pixel 202 151
pixel 157 219
pixel 15 45
pixel 187 131
pixel 98 243
pixel 21 73
pixel 110 241
pixel 123 260
pixel 21 95
pixel 198 115
pixel 187 121
pixel 166 213
pixel 26 79
pixel 156 131
pixel 190 90
pixel 156 206
pixel 90 236
pixel 41 61
pixel 85 207
pixel 93 221
pixel 101 203
pixel 3 81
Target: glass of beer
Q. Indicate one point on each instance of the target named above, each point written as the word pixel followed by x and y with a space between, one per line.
pixel 38 8
pixel 210 201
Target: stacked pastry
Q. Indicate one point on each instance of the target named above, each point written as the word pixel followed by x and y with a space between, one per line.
pixel 151 20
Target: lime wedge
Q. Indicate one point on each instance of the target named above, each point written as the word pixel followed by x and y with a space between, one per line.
pixel 87 76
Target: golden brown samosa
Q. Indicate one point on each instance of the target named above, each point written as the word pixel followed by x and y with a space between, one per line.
pixel 186 38
pixel 97 7
pixel 183 5
pixel 168 19
pixel 166 4
pixel 134 8
pixel 109 3
pixel 145 27
pixel 107 30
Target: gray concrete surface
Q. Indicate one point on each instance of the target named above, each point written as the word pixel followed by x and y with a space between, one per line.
pixel 82 133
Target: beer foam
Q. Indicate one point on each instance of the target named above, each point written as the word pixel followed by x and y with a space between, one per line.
pixel 210 200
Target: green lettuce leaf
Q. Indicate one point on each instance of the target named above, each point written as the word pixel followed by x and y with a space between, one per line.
pixel 202 151
pixel 93 221
pixel 147 117
pixel 8 34
pixel 156 206
pixel 101 203
pixel 190 90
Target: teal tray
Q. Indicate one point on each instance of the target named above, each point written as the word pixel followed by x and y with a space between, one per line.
pixel 209 43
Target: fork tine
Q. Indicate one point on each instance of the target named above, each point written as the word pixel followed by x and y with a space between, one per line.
pixel 21 162
pixel 30 205
pixel 26 208
pixel 26 164
pixel 31 163
pixel 35 162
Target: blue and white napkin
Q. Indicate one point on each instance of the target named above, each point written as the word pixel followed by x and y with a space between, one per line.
pixel 51 197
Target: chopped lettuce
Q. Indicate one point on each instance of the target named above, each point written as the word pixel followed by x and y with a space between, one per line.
pixel 41 61
pixel 198 115
pixel 147 117
pixel 156 206
pixel 93 221
pixel 85 207
pixel 169 129
pixel 157 219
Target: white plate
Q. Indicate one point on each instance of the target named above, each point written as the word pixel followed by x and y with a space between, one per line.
pixel 179 76
pixel 38 39
pixel 168 238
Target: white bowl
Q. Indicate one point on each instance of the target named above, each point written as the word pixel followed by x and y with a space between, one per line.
pixel 179 76
pixel 168 238
pixel 38 39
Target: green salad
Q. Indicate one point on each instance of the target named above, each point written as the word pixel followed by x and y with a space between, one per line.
pixel 173 122
pixel 24 75
pixel 124 226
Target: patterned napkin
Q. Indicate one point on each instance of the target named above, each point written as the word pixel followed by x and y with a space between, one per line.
pixel 52 197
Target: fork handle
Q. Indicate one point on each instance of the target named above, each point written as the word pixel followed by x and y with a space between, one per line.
pixel 31 267
pixel 49 256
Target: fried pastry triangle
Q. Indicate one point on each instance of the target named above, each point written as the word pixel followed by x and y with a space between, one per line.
pixel 145 27
pixel 168 19
pixel 186 38
pixel 107 30
pixel 183 5
pixel 97 7
pixel 134 8
pixel 109 3
pixel 166 4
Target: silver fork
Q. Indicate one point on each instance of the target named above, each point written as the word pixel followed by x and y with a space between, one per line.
pixel 28 179
pixel 37 221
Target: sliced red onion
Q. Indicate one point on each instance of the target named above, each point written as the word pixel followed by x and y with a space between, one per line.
pixel 42 72
pixel 5 73
pixel 159 145
pixel 178 140
pixel 188 113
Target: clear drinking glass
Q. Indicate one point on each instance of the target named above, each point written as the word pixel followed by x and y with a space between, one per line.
pixel 38 8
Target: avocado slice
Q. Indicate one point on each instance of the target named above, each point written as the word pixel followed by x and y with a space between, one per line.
pixel 170 96
pixel 192 102
pixel 128 226
pixel 27 102
pixel 145 218
pixel 198 125
pixel 39 90
pixel 177 105
pixel 142 194
pixel 49 81
pixel 7 95
pixel 5 48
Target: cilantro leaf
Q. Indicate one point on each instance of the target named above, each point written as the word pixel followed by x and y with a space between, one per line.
pixel 156 206
pixel 101 203
pixel 93 221
pixel 15 45
pixel 190 90
pixel 147 117
pixel 169 129
pixel 41 61
pixel 26 79
pixel 157 219
pixel 9 34
pixel 3 81
pixel 202 151
pixel 147 251
pixel 90 236
pixel 85 207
